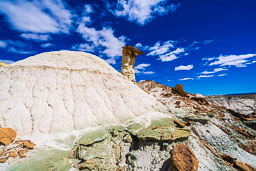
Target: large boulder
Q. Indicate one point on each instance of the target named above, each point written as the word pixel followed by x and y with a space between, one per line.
pixel 183 159
pixel 65 90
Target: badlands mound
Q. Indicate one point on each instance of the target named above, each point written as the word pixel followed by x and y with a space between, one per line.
pixel 63 90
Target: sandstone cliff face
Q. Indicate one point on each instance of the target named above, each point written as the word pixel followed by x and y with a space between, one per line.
pixel 128 60
pixel 245 104
pixel 67 90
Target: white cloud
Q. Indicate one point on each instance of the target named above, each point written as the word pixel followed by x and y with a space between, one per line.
pixel 171 55
pixel 142 11
pixel 253 61
pixel 138 45
pixel 142 66
pixel 165 51
pixel 167 57
pixel 159 49
pixel 231 60
pixel 184 79
pixel 7 61
pixel 88 9
pixel 35 36
pixel 47 45
pixel 140 69
pixel 221 75
pixel 3 44
pixel 184 67
pixel 205 76
pixel 214 71
pixel 46 16
pixel 101 39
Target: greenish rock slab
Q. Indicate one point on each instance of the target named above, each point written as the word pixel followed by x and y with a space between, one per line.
pixel 160 130
pixel 45 160
pixel 201 119
pixel 93 137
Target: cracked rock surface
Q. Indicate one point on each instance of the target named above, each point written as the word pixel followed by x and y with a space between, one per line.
pixel 66 90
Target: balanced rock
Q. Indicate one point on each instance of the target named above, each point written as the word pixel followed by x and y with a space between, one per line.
pixel 65 90
pixel 128 60
pixel 183 159
pixel 7 135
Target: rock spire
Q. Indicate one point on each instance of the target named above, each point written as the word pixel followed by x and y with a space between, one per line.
pixel 128 60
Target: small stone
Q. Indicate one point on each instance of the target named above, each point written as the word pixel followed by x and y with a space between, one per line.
pixel 243 166
pixel 88 164
pixel 183 159
pixel 128 138
pixel 27 144
pixel 179 124
pixel 7 135
pixel 13 154
pixel 132 156
pixel 3 160
pixel 22 153
pixel 188 123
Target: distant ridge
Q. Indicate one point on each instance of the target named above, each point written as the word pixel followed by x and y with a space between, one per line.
pixel 241 94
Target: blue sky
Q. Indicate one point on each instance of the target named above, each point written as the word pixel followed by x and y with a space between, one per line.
pixel 206 45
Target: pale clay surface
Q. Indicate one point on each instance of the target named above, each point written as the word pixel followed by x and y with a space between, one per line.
pixel 66 90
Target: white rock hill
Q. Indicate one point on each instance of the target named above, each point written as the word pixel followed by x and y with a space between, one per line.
pixel 65 90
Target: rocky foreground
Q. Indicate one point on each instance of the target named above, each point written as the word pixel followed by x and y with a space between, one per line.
pixel 125 126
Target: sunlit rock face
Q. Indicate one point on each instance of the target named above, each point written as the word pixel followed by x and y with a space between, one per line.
pixel 128 60
pixel 64 90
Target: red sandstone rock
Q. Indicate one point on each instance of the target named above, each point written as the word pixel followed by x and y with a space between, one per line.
pixel 243 166
pixel 22 153
pixel 179 124
pixel 27 144
pixel 3 160
pixel 7 135
pixel 183 159
pixel 13 154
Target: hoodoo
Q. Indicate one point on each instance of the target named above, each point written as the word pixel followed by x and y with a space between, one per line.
pixel 128 60
pixel 63 90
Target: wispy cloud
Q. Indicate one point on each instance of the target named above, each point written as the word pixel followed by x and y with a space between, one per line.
pixel 222 75
pixel 102 40
pixel 141 11
pixel 231 60
pixel 35 36
pixel 184 67
pixel 159 49
pixel 47 16
pixel 205 76
pixel 47 45
pixel 184 79
pixel 165 51
pixel 3 44
pixel 170 50
pixel 140 69
pixel 214 71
